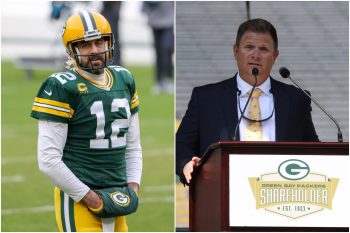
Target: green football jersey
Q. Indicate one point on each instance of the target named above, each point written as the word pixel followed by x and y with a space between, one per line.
pixel 98 120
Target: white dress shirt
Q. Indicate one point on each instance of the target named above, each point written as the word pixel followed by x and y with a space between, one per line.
pixel 266 105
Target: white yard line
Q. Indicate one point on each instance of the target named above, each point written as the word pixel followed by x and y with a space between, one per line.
pixel 160 188
pixel 166 199
pixel 159 152
pixel 39 209
pixel 18 159
pixel 12 179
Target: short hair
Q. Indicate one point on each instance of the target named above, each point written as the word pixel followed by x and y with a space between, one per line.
pixel 257 26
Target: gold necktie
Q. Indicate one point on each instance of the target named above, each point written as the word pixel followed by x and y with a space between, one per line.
pixel 254 129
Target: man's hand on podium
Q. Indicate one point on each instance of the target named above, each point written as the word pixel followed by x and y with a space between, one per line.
pixel 189 167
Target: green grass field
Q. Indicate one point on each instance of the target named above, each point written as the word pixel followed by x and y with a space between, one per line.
pixel 27 194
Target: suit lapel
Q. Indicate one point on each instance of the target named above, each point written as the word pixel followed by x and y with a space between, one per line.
pixel 229 106
pixel 282 103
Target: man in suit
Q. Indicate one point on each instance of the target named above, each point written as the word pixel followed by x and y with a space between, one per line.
pixel 284 112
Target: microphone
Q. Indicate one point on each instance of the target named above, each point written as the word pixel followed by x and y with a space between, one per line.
pixel 255 73
pixel 284 72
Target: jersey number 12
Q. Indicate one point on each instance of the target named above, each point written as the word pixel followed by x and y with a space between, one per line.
pixel 97 109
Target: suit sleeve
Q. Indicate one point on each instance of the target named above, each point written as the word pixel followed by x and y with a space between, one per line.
pixel 187 136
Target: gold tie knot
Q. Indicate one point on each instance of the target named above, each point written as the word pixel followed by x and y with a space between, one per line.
pixel 256 93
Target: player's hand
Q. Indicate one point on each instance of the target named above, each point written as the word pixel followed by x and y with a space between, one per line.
pixel 134 186
pixel 189 167
pixel 91 199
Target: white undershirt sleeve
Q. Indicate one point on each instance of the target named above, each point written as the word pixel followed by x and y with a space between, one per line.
pixel 133 154
pixel 51 141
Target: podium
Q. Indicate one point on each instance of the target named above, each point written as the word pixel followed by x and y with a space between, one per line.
pixel 209 193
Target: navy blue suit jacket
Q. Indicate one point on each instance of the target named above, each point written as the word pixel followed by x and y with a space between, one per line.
pixel 212 116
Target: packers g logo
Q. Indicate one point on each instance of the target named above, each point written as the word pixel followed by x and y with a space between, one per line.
pixel 293 169
pixel 120 198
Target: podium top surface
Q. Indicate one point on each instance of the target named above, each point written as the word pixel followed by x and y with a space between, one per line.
pixel 276 148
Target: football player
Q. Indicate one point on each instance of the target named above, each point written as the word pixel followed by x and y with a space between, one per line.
pixel 89 137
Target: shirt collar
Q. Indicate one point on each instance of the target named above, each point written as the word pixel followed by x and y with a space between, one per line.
pixel 245 87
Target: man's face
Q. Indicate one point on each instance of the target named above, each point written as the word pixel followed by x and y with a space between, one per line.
pixel 91 48
pixel 255 50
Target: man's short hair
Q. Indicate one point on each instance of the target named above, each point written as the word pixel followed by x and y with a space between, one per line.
pixel 257 26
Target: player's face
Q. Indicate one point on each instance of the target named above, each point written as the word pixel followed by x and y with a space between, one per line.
pixel 255 50
pixel 95 49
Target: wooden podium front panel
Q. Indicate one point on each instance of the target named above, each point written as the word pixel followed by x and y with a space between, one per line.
pixel 211 190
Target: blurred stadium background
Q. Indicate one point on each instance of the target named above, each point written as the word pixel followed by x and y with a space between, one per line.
pixel 313 44
pixel 27 195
